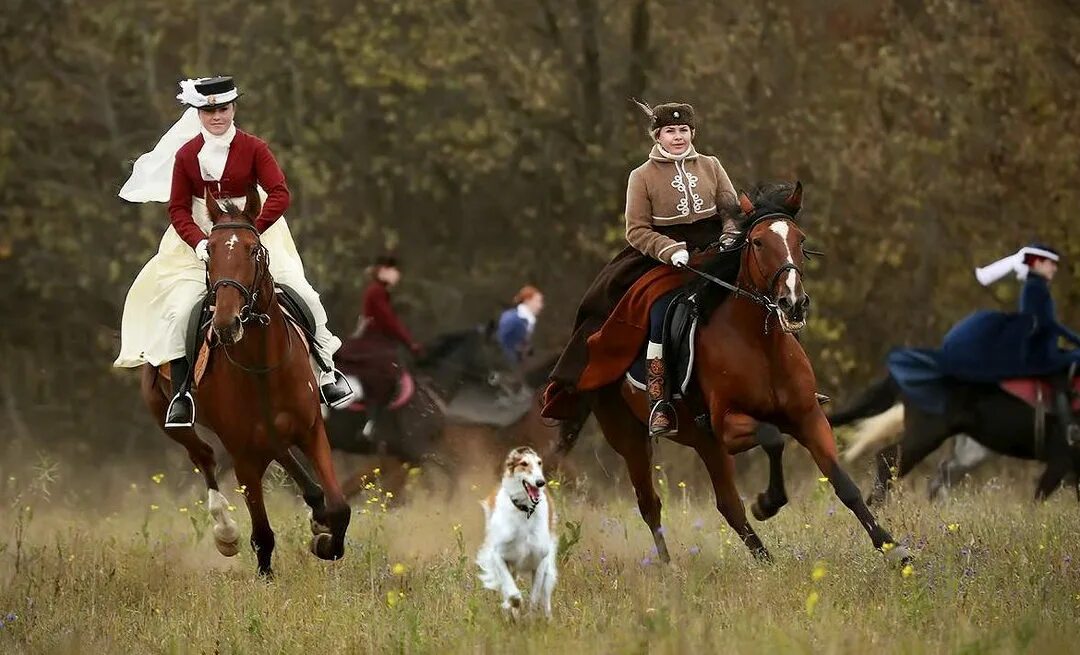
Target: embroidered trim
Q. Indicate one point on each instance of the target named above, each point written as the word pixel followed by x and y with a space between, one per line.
pixel 667 248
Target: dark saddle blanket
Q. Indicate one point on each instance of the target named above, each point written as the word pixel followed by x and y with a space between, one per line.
pixel 680 328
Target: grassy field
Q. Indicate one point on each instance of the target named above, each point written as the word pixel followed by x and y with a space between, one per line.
pixel 131 569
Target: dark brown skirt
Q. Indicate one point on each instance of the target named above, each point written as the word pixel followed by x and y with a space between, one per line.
pixel 611 284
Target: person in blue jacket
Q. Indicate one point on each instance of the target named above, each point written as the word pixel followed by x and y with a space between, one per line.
pixel 991 346
pixel 516 324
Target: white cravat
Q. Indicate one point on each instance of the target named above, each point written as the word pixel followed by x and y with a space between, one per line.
pixel 214 153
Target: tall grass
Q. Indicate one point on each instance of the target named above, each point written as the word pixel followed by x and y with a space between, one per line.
pixel 135 572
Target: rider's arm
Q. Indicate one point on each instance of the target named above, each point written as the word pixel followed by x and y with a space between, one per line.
pixel 639 223
pixel 379 310
pixel 1035 300
pixel 513 336
pixel 272 180
pixel 180 206
pixel 726 196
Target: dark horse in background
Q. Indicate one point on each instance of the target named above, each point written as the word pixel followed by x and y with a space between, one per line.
pixel 412 434
pixel 987 413
pixel 751 379
pixel 256 395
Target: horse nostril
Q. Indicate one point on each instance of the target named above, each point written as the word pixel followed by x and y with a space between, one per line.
pixel 784 303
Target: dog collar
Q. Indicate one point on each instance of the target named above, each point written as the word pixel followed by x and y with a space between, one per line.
pixel 528 508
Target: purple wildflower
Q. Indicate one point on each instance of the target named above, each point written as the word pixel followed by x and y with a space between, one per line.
pixel 831 510
pixel 699 524
pixel 662 531
pixel 694 550
pixel 646 561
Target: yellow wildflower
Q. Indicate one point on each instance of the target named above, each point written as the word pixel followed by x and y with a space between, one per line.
pixel 398 569
pixel 812 601
pixel 682 485
pixel 819 571
pixel 907 571
pixel 153 508
pixel 183 510
pixel 157 477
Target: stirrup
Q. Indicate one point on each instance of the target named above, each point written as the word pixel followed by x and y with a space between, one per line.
pixel 673 420
pixel 336 394
pixel 180 421
pixel 822 399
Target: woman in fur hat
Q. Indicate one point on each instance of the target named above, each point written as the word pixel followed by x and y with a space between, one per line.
pixel 676 203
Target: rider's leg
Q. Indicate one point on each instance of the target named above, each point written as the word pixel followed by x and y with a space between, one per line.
pixel 185 299
pixel 662 418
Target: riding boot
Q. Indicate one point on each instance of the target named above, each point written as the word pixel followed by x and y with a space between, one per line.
pixel 181 410
pixel 1063 406
pixel 662 419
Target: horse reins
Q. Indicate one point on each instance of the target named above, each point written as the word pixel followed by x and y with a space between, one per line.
pixel 249 312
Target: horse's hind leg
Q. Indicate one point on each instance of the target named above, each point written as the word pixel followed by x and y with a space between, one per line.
pixel 250 475
pixel 769 502
pixel 631 440
pixel 226 532
pixel 897 460
pixel 721 467
pixel 336 513
pixel 815 434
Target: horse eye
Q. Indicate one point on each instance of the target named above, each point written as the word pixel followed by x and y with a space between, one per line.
pixel 757 243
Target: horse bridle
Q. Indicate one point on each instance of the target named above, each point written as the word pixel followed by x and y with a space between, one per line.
pixel 753 295
pixel 248 311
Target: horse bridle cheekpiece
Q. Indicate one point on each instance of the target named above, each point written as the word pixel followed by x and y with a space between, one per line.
pixel 248 312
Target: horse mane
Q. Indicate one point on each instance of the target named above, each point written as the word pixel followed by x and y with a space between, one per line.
pixel 767 198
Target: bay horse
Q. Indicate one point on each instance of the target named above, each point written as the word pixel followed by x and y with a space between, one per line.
pixel 259 394
pixel 986 412
pixel 750 381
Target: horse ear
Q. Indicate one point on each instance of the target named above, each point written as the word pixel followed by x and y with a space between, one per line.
pixel 794 201
pixel 745 205
pixel 212 206
pixel 253 205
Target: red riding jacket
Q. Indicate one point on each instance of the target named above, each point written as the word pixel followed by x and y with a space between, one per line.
pixel 249 162
pixel 381 317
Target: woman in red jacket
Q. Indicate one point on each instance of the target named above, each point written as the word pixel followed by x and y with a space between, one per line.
pixel 373 355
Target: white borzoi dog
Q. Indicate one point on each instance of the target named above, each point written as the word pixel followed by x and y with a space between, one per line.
pixel 520 535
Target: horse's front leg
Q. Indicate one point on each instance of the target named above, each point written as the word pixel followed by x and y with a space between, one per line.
pixel 336 513
pixel 815 434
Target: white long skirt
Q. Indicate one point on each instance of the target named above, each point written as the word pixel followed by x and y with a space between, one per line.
pixel 164 293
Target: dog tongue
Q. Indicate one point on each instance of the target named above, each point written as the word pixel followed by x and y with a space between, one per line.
pixel 534 492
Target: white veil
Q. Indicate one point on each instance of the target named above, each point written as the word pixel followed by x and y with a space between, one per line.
pixel 151 177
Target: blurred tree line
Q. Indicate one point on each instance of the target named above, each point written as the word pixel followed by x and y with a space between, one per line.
pixel 488 143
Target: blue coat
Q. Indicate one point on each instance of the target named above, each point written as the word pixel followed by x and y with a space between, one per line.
pixel 992 346
pixel 514 334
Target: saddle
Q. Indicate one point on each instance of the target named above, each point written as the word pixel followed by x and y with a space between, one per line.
pixel 197 340
pixel 406 389
pixel 680 327
pixel 1039 392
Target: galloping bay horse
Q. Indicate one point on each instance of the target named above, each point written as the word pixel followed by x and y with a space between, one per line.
pixel 259 394
pixel 752 380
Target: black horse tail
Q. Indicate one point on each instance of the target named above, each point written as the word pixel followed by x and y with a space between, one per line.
pixel 876 399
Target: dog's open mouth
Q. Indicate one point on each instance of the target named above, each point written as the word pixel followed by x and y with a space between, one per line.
pixel 532 491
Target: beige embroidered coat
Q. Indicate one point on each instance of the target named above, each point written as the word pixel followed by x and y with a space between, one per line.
pixel 673 191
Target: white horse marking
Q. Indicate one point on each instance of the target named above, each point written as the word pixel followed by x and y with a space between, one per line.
pixel 781 229
pixel 226 532
pixel 232 242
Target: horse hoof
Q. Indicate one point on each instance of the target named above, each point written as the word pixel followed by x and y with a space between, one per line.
pixel 267 574
pixel 322 546
pixel 899 556
pixel 228 548
pixel 318 528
